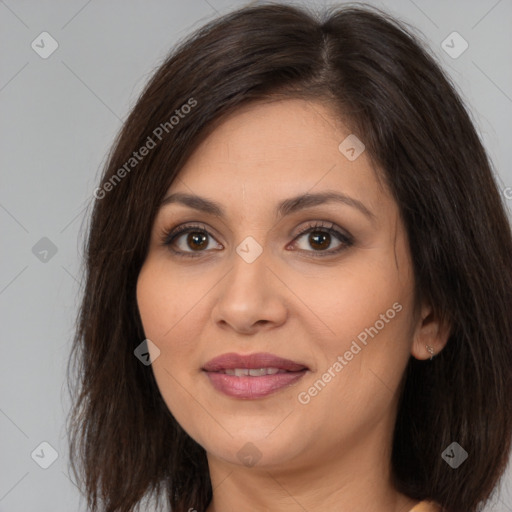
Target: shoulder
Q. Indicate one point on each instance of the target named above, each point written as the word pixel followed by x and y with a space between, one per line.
pixel 426 506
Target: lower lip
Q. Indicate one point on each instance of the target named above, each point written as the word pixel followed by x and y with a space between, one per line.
pixel 249 388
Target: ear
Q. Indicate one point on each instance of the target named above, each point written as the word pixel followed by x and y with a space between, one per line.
pixel 430 331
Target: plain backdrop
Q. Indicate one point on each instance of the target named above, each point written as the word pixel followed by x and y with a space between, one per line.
pixel 59 117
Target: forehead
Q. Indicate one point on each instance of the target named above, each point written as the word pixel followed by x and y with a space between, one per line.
pixel 276 149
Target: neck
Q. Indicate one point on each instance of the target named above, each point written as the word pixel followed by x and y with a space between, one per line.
pixel 357 476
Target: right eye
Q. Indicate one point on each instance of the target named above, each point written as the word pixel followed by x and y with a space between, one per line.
pixel 196 240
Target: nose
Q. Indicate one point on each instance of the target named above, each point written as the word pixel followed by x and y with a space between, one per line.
pixel 250 297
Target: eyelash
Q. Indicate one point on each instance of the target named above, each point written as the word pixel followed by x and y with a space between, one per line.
pixel 169 237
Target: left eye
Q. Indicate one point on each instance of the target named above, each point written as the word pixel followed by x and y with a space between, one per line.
pixel 320 238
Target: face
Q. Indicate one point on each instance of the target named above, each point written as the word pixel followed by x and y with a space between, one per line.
pixel 326 284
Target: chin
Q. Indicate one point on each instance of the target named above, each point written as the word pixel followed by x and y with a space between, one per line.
pixel 252 449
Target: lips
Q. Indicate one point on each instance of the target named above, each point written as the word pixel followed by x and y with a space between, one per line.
pixel 233 361
pixel 252 376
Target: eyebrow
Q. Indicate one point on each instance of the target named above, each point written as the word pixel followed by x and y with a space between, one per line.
pixel 286 207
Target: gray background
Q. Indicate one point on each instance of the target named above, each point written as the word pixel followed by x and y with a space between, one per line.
pixel 59 118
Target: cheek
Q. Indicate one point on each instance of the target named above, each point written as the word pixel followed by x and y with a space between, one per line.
pixel 345 300
pixel 172 316
pixel 368 307
pixel 149 301
pixel 162 301
pixel 163 309
pixel 355 386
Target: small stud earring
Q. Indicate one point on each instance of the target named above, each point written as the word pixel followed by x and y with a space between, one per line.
pixel 430 351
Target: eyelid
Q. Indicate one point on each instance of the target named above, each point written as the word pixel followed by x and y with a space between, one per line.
pixel 346 239
pixel 168 236
pixel 325 225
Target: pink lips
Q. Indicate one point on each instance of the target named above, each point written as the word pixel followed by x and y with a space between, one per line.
pixel 281 373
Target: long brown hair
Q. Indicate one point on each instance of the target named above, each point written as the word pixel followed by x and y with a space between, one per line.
pixel 375 73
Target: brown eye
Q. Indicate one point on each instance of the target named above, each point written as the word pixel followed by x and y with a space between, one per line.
pixel 320 239
pixel 318 243
pixel 197 240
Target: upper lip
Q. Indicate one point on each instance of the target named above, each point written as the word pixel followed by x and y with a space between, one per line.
pixel 252 361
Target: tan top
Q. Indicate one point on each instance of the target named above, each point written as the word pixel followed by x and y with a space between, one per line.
pixel 426 506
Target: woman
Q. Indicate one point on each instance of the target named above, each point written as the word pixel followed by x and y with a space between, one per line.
pixel 298 281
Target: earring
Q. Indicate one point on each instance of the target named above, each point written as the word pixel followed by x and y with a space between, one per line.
pixel 430 351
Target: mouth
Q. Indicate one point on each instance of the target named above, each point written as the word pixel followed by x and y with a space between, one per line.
pixel 252 376
pixel 251 372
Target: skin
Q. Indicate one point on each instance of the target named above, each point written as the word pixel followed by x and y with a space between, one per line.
pixel 333 453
